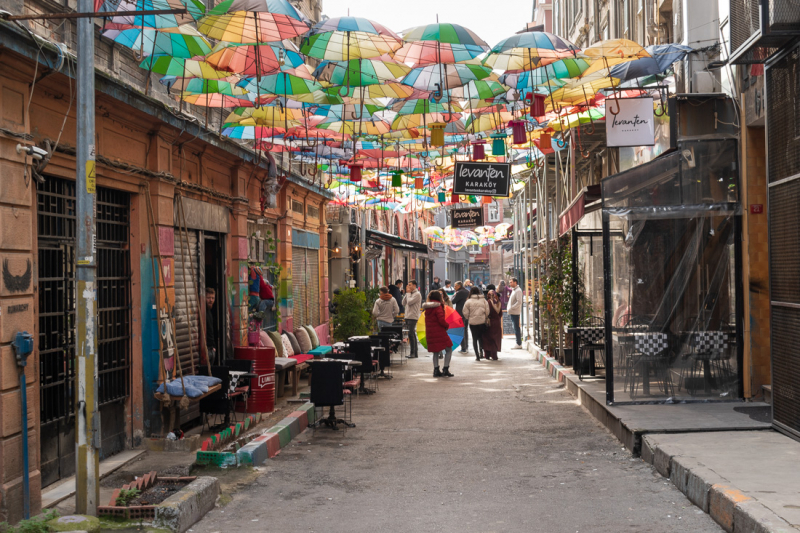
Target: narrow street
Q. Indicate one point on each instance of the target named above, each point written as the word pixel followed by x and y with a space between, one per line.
pixel 499 447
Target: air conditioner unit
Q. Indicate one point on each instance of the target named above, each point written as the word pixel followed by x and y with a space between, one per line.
pixel 759 28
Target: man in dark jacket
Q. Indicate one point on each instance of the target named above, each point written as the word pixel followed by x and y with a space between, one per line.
pixel 436 284
pixel 396 291
pixel 459 299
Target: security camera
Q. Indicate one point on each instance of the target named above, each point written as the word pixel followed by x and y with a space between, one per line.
pixel 34 151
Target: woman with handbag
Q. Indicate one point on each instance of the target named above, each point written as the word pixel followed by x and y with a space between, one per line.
pixel 476 314
pixel 493 334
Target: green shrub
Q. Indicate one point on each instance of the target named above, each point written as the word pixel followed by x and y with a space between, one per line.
pixel 351 317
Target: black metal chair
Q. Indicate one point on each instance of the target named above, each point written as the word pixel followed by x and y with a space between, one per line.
pixel 327 390
pixel 711 353
pixel 592 339
pixel 362 352
pixel 650 353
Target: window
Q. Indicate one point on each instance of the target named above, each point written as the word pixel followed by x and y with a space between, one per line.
pixel 297 207
pixel 405 229
pixel 396 226
pixel 474 248
pixel 313 212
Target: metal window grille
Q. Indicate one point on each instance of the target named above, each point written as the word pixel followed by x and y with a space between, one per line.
pixel 297 207
pixel 783 107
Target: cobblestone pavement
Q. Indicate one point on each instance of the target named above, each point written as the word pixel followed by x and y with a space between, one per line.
pixel 499 447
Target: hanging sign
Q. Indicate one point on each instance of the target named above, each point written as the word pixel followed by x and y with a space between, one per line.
pixel 633 125
pixel 466 218
pixel 481 179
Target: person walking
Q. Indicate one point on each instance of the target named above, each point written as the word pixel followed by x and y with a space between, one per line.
pixel 396 291
pixel 476 313
pixel 412 301
pixel 459 299
pixel 446 299
pixel 493 335
pixel 385 309
pixel 436 285
pixel 515 309
pixel 436 327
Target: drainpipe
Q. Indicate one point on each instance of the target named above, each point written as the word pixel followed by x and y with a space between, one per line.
pixel 650 21
pixel 23 346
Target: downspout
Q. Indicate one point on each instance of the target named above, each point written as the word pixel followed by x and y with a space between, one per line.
pixel 650 22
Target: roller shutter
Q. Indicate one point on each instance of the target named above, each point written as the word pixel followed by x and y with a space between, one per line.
pixel 187 330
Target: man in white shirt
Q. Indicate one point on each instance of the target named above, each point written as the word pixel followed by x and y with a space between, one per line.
pixel 412 301
pixel 515 309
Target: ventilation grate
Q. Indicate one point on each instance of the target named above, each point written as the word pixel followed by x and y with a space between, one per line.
pixel 783 122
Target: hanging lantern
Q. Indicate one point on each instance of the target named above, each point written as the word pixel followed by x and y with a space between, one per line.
pixel 478 151
pixel 441 197
pixel 544 142
pixel 397 178
pixel 520 136
pixel 537 105
pixel 437 133
pixel 487 200
pixel 419 183
pixel 499 144
pixel 455 199
pixel 355 171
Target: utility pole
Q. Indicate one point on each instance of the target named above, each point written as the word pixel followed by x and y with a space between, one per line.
pixel 87 419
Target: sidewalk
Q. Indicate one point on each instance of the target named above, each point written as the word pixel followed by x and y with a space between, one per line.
pixel 724 457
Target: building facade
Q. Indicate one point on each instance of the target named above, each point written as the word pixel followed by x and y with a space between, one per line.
pixel 180 209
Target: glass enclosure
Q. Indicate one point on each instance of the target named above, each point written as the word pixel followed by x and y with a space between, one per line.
pixel 674 284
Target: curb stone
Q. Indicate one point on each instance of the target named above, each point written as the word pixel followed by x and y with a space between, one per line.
pixel 728 506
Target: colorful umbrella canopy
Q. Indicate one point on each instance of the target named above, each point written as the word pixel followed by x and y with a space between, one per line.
pixel 455 330
pixel 194 10
pixel 444 77
pixel 282 83
pixel 254 21
pixel 189 86
pixel 662 56
pixel 530 50
pixel 384 90
pixel 253 60
pixel 360 72
pixel 439 43
pixel 346 38
pixel 182 41
pixel 184 68
pixel 558 70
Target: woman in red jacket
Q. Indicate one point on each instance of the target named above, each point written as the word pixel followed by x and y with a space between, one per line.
pixel 436 333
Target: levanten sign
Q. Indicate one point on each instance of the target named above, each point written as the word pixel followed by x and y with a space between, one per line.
pixel 466 218
pixel 633 125
pixel 481 179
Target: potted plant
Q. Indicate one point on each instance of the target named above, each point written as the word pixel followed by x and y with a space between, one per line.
pixel 351 317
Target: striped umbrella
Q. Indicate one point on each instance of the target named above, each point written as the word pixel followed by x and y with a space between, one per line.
pixel 254 21
pixel 529 50
pixel 346 38
pixel 439 43
pixel 253 60
pixel 441 78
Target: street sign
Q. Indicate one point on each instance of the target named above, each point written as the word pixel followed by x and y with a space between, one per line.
pixel 633 125
pixel 469 217
pixel 481 179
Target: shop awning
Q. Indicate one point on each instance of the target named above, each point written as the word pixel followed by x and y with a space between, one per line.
pixel 588 200
pixel 377 238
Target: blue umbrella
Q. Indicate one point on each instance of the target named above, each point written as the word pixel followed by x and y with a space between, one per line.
pixel 662 57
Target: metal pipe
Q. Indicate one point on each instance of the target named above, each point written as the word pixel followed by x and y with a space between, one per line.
pixel 87 418
pixel 26 480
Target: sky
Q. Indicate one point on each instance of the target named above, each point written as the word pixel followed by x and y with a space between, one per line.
pixel 491 21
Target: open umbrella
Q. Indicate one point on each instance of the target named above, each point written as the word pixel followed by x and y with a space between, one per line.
pixel 254 21
pixel 360 72
pixel 432 77
pixel 527 51
pixel 182 41
pixel 439 43
pixel 455 331
pixel 194 10
pixel 346 38
pixel 253 60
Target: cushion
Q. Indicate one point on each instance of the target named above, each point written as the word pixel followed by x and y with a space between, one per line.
pixel 275 337
pixel 302 358
pixel 321 350
pixel 295 345
pixel 303 339
pixel 313 336
pixel 282 363
pixel 265 341
pixel 288 349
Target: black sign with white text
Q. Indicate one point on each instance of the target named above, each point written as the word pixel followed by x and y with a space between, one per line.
pixel 466 218
pixel 481 179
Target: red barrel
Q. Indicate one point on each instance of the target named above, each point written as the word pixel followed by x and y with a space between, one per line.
pixel 262 388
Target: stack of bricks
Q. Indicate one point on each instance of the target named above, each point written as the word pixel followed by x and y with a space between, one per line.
pixel 137 512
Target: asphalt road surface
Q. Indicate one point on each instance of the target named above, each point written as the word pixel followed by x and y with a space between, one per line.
pixel 499 447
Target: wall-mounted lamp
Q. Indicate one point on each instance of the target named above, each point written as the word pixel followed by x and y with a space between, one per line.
pixel 336 247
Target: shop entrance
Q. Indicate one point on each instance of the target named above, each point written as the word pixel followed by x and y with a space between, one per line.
pixel 56 269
